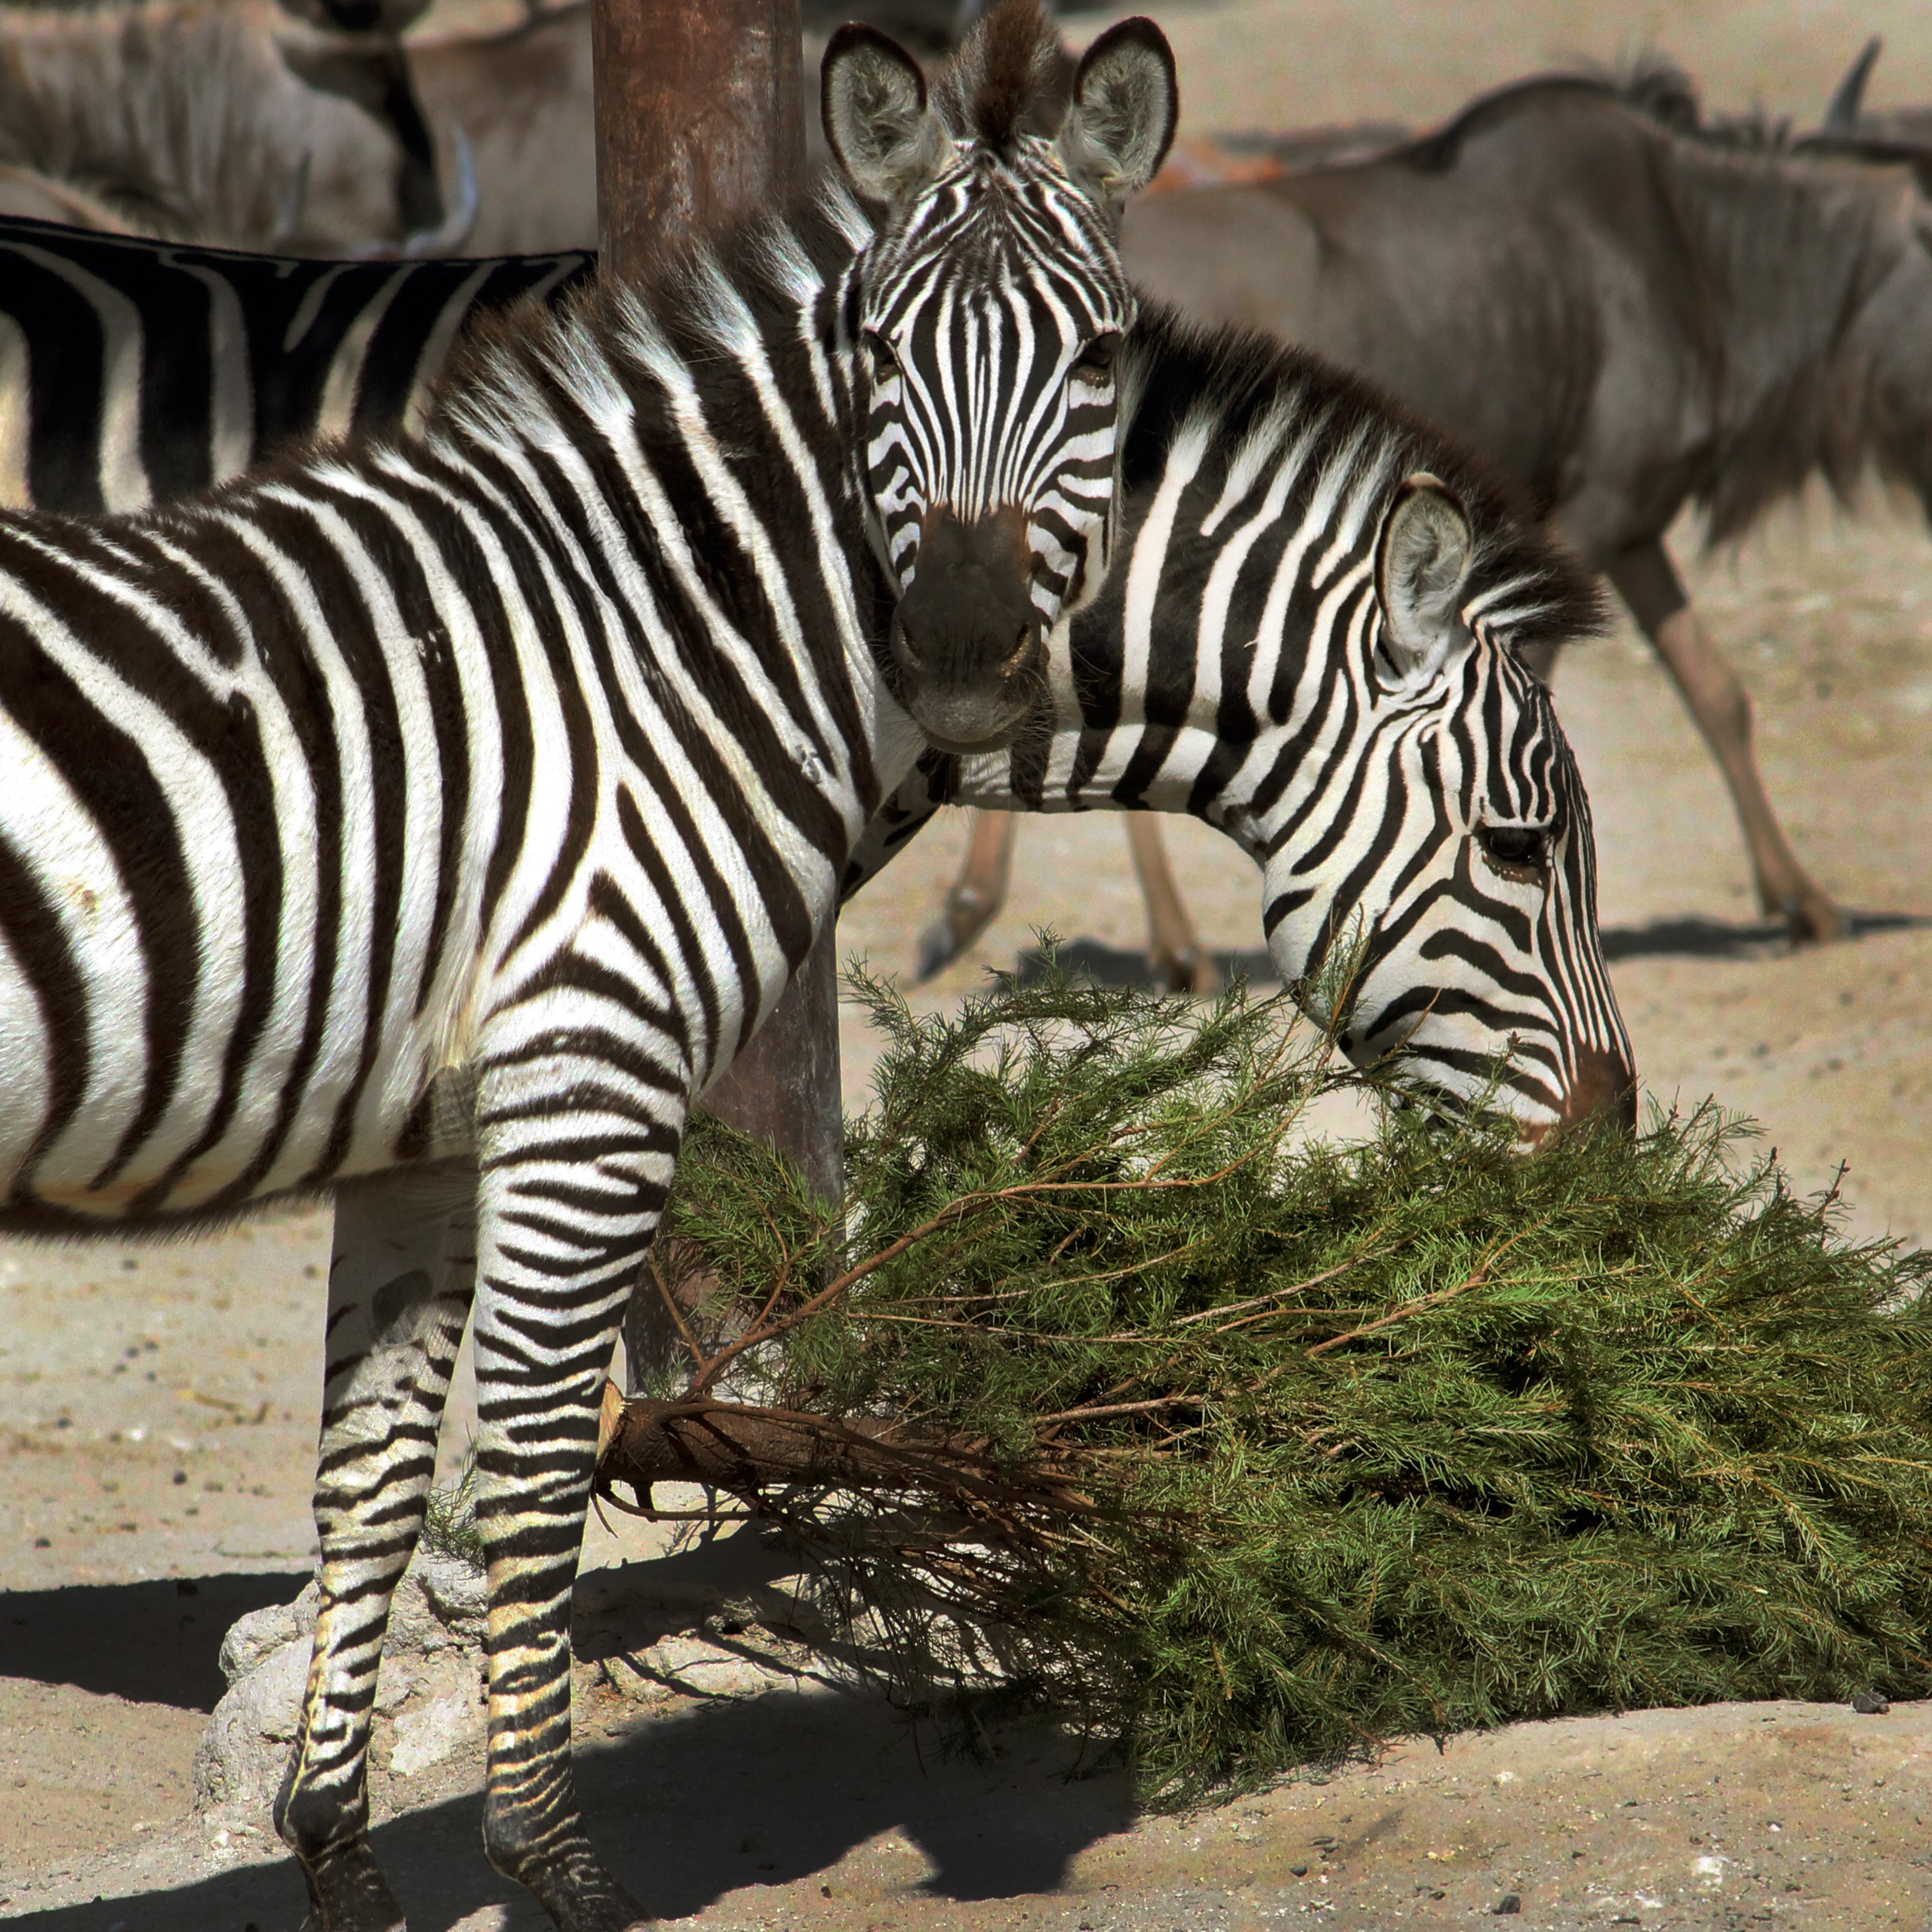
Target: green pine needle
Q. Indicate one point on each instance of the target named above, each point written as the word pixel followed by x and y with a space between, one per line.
pixel 1350 1441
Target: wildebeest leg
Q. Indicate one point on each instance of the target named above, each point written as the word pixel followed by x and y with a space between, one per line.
pixel 976 894
pixel 1646 581
pixel 1175 953
pixel 401 1276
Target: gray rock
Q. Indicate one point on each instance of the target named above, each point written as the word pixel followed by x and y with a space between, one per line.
pixel 242 1754
pixel 436 1731
pixel 441 1610
pixel 252 1639
pixel 439 1602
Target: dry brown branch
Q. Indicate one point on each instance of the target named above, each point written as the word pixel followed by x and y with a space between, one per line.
pixel 744 1450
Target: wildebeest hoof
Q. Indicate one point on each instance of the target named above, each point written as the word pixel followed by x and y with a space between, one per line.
pixel 1189 970
pixel 938 947
pixel 1811 919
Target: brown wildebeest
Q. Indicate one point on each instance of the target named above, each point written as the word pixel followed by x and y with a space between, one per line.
pixel 522 98
pixel 1624 317
pixel 217 120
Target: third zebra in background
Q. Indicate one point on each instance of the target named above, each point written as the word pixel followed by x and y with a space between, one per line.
pixel 135 372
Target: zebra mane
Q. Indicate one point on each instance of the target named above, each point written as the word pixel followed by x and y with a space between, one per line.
pixel 1244 386
pixel 1009 77
pixel 699 304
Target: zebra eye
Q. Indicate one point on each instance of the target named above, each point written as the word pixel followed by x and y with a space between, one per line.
pixel 1094 365
pixel 884 364
pixel 1516 850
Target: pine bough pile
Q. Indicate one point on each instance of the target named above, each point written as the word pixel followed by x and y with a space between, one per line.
pixel 1241 1450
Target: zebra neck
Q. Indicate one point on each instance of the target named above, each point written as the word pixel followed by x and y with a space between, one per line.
pixel 705 420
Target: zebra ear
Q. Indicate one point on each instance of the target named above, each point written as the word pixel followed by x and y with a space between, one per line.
pixel 872 100
pixel 1422 562
pixel 1126 101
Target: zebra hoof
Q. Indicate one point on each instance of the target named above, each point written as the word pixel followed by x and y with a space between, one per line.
pixel 1189 970
pixel 571 1884
pixel 347 1893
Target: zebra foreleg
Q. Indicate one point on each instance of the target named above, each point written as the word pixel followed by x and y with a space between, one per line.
pixel 401 1277
pixel 561 1242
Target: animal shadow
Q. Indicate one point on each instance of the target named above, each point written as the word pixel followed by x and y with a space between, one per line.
pixel 728 1797
pixel 157 1642
pixel 1717 939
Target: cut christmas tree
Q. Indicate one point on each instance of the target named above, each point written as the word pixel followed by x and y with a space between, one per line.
pixel 1114 1387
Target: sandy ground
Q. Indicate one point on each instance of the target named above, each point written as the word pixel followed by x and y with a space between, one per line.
pixel 157 1403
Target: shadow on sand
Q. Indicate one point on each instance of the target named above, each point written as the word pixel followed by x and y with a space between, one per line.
pixel 152 1643
pixel 1718 938
pixel 1662 939
pixel 688 1809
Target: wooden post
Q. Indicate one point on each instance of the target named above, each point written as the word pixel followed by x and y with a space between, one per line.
pixel 698 117
pixel 698 105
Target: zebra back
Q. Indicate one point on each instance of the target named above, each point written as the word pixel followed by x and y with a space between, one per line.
pixel 133 372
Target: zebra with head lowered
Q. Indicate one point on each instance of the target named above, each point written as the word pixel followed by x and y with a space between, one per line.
pixel 1312 642
pixel 429 822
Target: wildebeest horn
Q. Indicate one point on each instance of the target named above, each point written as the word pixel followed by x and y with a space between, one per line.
pixel 452 231
pixel 1842 110
pixel 294 198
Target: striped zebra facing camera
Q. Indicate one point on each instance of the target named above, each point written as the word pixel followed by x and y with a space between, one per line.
pixel 430 820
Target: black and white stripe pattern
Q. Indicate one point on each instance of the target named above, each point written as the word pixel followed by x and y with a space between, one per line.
pixel 1033 363
pixel 217 354
pixel 1236 666
pixel 429 822
pixel 135 372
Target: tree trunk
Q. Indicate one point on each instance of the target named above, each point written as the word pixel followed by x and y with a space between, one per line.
pixel 698 122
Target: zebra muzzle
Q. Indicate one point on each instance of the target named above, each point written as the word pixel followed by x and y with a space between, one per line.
pixel 1604 1088
pixel 967 637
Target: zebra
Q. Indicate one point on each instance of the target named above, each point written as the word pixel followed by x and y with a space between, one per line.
pixel 427 821
pixel 224 358
pixel 134 371
pixel 1313 641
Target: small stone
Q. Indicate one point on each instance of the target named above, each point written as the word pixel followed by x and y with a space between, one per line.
pixel 429 1735
pixel 1509 1902
pixel 1300 1871
pixel 251 1639
pixel 1869 1703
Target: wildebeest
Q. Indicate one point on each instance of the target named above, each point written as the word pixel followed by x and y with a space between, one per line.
pixel 218 121
pixel 1624 315
pixel 523 100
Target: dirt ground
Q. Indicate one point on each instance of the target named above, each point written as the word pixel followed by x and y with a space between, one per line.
pixel 157 1403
